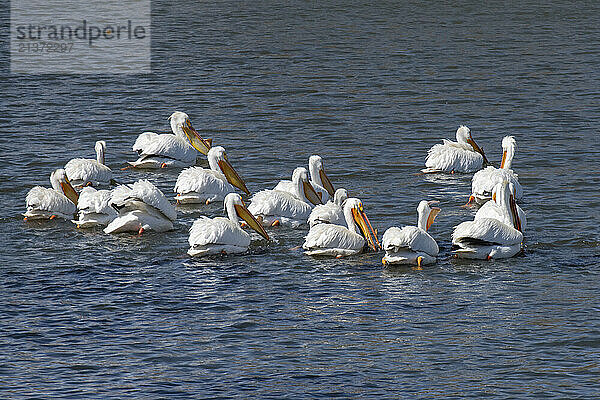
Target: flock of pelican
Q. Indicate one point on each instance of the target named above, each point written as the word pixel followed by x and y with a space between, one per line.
pixel 338 225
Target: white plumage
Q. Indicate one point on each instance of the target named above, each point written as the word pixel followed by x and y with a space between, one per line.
pixel 289 209
pixel 201 185
pixel 332 240
pixel 464 155
pixel 48 203
pixel 338 240
pixel 274 205
pixel 318 179
pixel 223 235
pixel 412 244
pixel 500 207
pixel 487 238
pixel 141 207
pixel 483 181
pixel 216 235
pixel 84 171
pixel 170 150
pixel 94 208
pixel 331 212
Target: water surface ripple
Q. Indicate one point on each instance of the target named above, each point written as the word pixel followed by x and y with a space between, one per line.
pixel 370 88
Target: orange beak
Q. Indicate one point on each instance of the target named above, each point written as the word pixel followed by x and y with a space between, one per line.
pixel 195 139
pixel 478 149
pixel 247 216
pixel 365 227
pixel 232 176
pixel 431 217
pixel 503 159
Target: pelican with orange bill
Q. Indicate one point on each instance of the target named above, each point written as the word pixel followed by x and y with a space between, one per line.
pixel 487 237
pixel 412 244
pixel 49 203
pixel 224 235
pixel 201 185
pixel 339 241
pixel 318 179
pixel 275 207
pixel 502 206
pixel 484 181
pixel 179 149
pixel 463 156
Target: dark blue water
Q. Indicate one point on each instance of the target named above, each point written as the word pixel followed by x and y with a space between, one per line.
pixel 370 88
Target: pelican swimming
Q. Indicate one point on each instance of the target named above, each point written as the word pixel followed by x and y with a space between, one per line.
pixel 412 244
pixel 484 181
pixel 94 208
pixel 85 171
pixel 224 235
pixel 274 207
pixel 487 238
pixel 330 212
pixel 500 206
pixel 338 240
pixel 49 203
pixel 318 179
pixel 200 185
pixel 170 150
pixel 141 207
pixel 464 155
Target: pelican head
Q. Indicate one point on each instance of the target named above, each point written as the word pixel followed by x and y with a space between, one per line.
pixel 217 159
pixel 356 217
pixel 463 135
pixel 60 183
pixel 235 207
pixel 427 213
pixel 509 145
pixel 100 150
pixel 340 196
pixel 318 175
pixel 304 190
pixel 180 123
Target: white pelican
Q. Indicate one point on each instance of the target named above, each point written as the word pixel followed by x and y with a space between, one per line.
pixel 501 205
pixel 94 208
pixel 318 179
pixel 330 212
pixel 273 207
pixel 85 171
pixel 464 155
pixel 484 181
pixel 487 238
pixel 412 244
pixel 200 185
pixel 338 240
pixel 170 150
pixel 224 235
pixel 46 203
pixel 141 207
